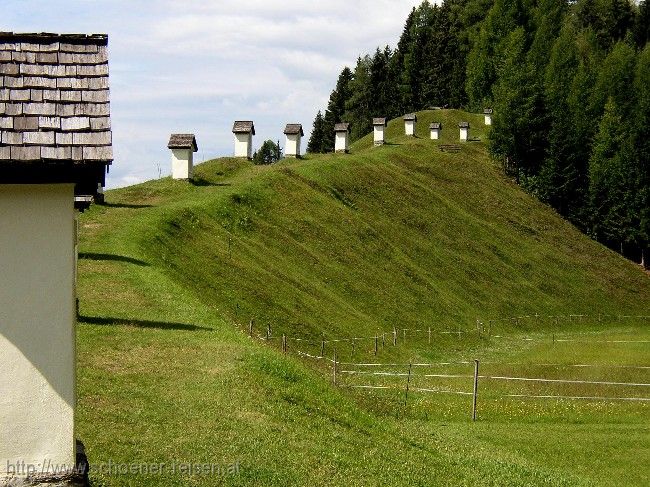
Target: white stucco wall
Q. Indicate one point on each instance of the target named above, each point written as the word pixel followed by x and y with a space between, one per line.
pixel 341 143
pixel 292 145
pixel 182 163
pixel 435 134
pixel 409 127
pixel 37 318
pixel 464 134
pixel 488 119
pixel 244 145
pixel 378 134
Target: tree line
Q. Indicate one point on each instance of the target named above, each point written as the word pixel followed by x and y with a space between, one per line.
pixel 569 82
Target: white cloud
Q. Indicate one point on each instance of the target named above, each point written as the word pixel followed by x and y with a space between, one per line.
pixel 195 66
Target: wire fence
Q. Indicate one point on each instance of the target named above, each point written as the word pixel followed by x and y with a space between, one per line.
pixel 406 378
pixel 373 345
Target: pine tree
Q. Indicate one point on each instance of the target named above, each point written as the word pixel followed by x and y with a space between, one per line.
pixel 606 179
pixel 317 137
pixel 336 108
pixel 642 24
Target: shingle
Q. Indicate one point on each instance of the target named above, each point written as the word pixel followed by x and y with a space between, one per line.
pixel 14 109
pixel 29 46
pixel 47 57
pixel 39 108
pixel 38 138
pixel 5 56
pixel 19 95
pixel 293 129
pixel 4 94
pixel 91 138
pixel 101 123
pixel 73 83
pixel 71 96
pixel 56 153
pixel 435 125
pixel 36 95
pixel 26 123
pixel 25 153
pixel 342 127
pixel 39 82
pixel 69 47
pixel 65 110
pixel 182 141
pixel 96 83
pixel 12 138
pixel 8 46
pixel 51 95
pixel 63 138
pixel 75 123
pixel 463 125
pixel 93 70
pixel 379 121
pixel 9 68
pixel 487 111
pixel 49 47
pixel 99 96
pixel 52 123
pixel 6 122
pixel 243 127
pixel 77 153
pixel 5 153
pixel 13 81
pixel 93 110
pixel 23 57
pixel 411 117
pixel 98 153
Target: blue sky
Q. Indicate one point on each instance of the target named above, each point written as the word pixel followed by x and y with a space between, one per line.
pixel 196 66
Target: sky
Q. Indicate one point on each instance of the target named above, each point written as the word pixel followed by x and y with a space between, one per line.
pixel 189 66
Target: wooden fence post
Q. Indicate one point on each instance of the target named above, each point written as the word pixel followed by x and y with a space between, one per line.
pixel 429 335
pixel 334 376
pixel 383 340
pixel 268 331
pixel 376 344
pixel 408 383
pixel 322 347
pixel 475 390
pixel 250 327
pixel 394 336
pixel 284 343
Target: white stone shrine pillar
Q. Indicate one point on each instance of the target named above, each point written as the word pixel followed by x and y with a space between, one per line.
pixel 37 333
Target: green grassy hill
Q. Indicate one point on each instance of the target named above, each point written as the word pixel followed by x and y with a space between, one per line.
pixel 335 246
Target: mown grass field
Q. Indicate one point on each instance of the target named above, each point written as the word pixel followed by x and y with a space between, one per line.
pixel 335 246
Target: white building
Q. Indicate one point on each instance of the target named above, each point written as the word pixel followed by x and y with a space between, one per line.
pixel 183 147
pixel 435 129
pixel 410 121
pixel 50 164
pixel 294 135
pixel 244 131
pixel 464 131
pixel 378 129
pixel 342 137
pixel 488 116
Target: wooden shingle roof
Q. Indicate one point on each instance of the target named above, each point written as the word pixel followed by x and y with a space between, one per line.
pixel 487 111
pixel 435 125
pixel 243 127
pixel 342 127
pixel 182 141
pixel 294 129
pixel 411 117
pixel 54 98
pixel 463 125
pixel 379 121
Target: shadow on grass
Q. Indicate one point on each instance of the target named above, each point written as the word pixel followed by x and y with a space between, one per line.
pixel 161 325
pixel 125 205
pixel 198 181
pixel 395 144
pixel 115 258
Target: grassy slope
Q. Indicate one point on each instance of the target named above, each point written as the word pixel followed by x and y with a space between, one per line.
pixel 344 245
